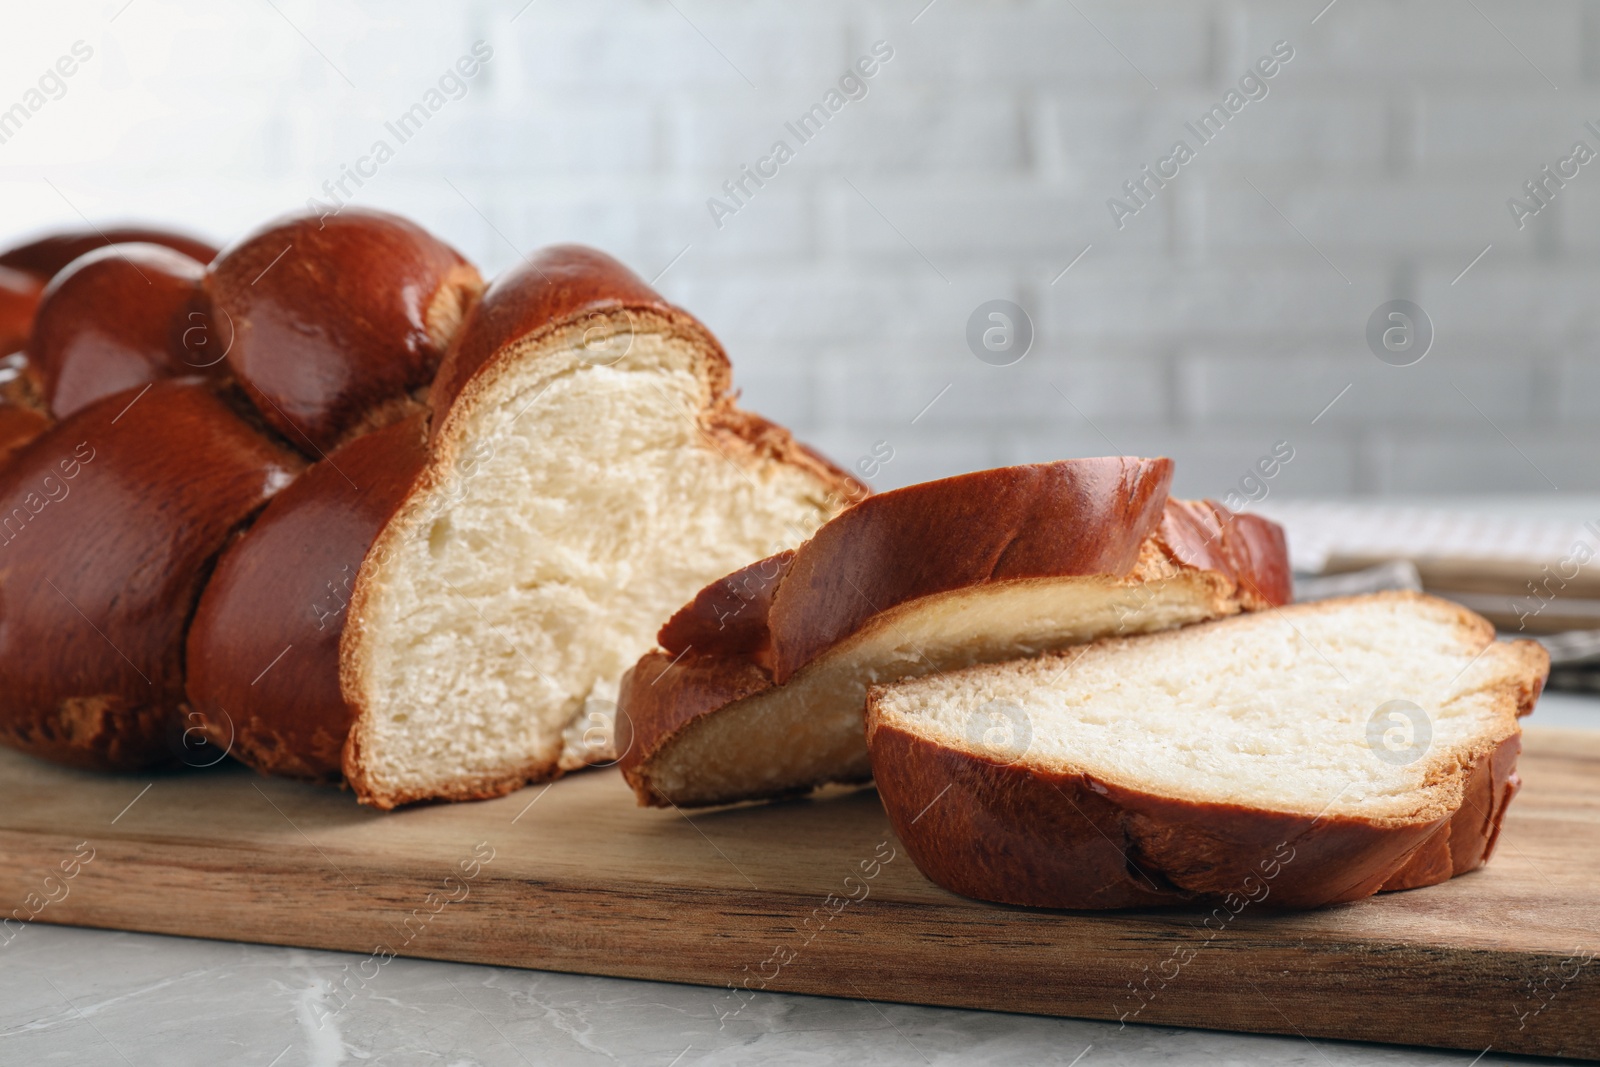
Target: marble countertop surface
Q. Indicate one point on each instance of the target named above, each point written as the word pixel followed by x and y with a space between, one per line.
pixel 73 996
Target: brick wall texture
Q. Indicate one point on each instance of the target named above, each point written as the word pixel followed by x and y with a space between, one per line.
pixel 1207 303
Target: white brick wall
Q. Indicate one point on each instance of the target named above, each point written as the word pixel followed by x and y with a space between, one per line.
pixel 977 167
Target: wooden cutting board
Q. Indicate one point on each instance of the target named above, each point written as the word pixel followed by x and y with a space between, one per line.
pixel 815 897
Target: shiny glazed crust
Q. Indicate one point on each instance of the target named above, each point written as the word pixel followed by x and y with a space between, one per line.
pixel 97 582
pixel 331 323
pixel 43 257
pixel 114 319
pixel 26 269
pixel 136 535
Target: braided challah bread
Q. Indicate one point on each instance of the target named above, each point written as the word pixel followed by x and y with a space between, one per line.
pixel 482 503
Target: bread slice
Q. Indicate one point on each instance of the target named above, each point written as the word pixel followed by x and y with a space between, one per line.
pixel 463 591
pixel 1300 757
pixel 760 685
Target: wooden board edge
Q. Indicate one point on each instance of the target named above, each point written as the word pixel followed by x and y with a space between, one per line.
pixel 884 950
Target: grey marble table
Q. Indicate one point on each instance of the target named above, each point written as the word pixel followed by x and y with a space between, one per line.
pixel 71 996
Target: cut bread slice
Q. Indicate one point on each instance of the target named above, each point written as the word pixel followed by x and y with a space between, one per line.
pixel 588 471
pixel 761 683
pixel 1295 758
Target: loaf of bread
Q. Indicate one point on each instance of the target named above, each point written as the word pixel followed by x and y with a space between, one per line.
pixel 1295 758
pixel 504 493
pixel 488 570
pixel 113 518
pixel 759 686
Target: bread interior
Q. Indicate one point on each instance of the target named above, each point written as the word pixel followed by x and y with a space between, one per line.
pixel 580 499
pixel 1273 711
pixel 809 731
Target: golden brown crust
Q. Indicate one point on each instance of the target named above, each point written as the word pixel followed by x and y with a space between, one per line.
pixel 276 605
pixel 1073 518
pixel 334 329
pixel 664 695
pixel 26 269
pixel 731 430
pixel 97 587
pixel 1465 841
pixel 461 788
pixel 330 318
pixel 114 319
pixel 1029 835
